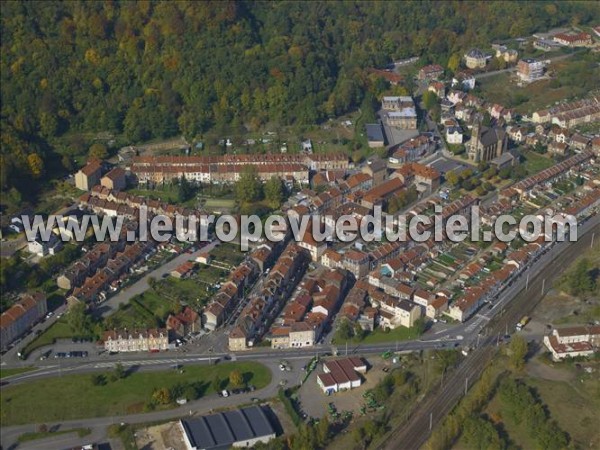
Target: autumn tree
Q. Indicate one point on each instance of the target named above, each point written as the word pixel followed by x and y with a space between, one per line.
pixel 67 163
pixel 322 431
pixel 119 371
pixel 452 178
pixel 79 321
pixel 274 192
pixel 98 150
pixel 236 379
pixel 162 396
pixel 429 99
pixel 518 351
pixel 36 165
pixel 185 190
pixel 580 280
pixel 454 62
pixel 98 379
pixel 248 189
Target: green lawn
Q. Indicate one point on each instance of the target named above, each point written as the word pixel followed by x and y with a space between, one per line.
pixel 219 203
pixel 15 371
pixel 534 162
pixel 75 397
pixel 228 253
pixel 32 436
pixel 399 334
pixel 146 310
pixel 541 94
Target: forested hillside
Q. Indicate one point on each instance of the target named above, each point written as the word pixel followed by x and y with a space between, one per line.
pixel 156 69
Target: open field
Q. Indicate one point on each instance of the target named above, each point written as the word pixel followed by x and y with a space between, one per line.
pixel 500 89
pixel 32 436
pixel 14 371
pixel 503 89
pixel 75 397
pixel 570 402
pixel 573 404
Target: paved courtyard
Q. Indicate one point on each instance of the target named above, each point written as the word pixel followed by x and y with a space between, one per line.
pixel 313 401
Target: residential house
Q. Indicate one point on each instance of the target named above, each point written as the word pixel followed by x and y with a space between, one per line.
pixel 400 112
pixel 475 59
pixel 378 195
pixel 114 180
pixel 394 312
pixel 152 340
pixel 183 270
pixel 238 339
pixel 308 242
pixel 571 342
pixel 574 40
pixel 88 176
pixel 376 168
pixel 529 70
pixel 431 72
pixel 183 323
pixel 558 148
pixel 438 88
pixel 454 135
pixel 356 262
pixel 21 316
pixel 301 334
pixel 41 247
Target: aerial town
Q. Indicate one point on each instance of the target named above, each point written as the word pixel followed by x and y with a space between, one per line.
pixel 128 342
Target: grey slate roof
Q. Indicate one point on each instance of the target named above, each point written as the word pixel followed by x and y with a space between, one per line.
pixel 221 431
pixel 491 136
pixel 476 53
pixel 374 132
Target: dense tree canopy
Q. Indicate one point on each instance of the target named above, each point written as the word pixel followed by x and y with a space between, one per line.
pixel 156 69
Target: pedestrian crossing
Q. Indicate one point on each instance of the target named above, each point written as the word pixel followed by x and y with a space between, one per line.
pixel 475 323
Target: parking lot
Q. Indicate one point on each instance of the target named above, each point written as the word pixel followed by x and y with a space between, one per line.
pixel 66 348
pixel 314 402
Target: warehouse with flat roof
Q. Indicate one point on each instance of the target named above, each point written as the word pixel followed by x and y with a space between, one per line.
pixel 239 428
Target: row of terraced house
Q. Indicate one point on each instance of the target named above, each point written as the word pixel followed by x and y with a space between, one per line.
pixel 228 168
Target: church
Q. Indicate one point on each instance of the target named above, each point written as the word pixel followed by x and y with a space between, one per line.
pixel 486 143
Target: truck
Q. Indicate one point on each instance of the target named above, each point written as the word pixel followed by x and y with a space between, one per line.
pixel 524 321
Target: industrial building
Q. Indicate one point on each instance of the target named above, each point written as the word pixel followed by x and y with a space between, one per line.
pixel 239 428
pixel 341 374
